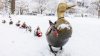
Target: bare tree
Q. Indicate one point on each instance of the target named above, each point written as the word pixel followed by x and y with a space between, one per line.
pixel 21 7
pixel 94 8
pixel 42 5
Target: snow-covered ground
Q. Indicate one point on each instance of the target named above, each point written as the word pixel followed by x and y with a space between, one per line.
pixel 85 40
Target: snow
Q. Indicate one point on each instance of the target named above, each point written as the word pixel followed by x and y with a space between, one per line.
pixel 85 40
pixel 62 26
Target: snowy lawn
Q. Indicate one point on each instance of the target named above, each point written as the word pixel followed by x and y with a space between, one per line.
pixel 85 40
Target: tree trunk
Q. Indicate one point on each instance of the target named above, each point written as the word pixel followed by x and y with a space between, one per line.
pixel 12 6
pixel 41 11
pixel 99 9
pixel 21 11
pixel 99 13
